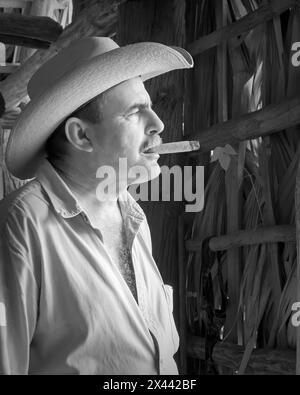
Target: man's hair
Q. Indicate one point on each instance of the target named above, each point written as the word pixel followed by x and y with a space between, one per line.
pixel 57 144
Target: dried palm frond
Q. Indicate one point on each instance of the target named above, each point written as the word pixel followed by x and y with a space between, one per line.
pixel 259 75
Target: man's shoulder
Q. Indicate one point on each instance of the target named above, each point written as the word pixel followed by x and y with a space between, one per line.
pixel 26 201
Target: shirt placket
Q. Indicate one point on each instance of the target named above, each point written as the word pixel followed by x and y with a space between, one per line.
pixel 149 318
pixel 133 224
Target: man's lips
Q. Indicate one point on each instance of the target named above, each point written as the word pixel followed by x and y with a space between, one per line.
pixel 151 149
pixel 151 155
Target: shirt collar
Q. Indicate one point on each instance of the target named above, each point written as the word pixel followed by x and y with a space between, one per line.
pixel 60 195
pixel 66 204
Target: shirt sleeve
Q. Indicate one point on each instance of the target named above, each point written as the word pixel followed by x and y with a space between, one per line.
pixel 18 294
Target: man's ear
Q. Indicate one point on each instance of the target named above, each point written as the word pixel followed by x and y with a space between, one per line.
pixel 76 133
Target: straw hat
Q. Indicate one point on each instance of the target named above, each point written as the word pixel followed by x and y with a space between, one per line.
pixel 74 76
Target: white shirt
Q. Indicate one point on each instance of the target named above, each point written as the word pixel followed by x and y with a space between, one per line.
pixel 65 307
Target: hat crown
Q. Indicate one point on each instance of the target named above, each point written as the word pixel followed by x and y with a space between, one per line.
pixel 77 53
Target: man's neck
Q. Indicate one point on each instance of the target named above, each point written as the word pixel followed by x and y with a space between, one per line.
pixel 84 185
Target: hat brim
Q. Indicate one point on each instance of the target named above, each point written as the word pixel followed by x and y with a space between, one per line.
pixel 43 114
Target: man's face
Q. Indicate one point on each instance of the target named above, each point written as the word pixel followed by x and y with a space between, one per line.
pixel 127 128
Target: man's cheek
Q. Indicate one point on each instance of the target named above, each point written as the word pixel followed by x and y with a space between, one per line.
pixel 131 150
pixel 117 147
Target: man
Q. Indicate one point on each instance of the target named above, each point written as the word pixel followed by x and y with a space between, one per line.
pixel 79 290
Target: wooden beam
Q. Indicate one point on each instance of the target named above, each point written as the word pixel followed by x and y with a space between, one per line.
pixel 262 14
pixel 273 234
pixel 46 8
pixel 29 31
pixel 38 8
pixel 271 119
pixel 14 3
pixel 233 327
pixel 24 41
pixel 100 19
pixel 59 5
pixel 262 361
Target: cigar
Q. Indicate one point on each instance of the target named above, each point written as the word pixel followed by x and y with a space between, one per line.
pixel 180 146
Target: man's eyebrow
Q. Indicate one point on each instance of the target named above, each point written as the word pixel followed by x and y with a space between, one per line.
pixel 139 105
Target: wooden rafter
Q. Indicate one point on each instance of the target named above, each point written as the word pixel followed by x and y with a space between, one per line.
pixel 262 14
pixel 272 234
pixel 272 119
pixel 22 3
pixel 13 3
pixel 28 31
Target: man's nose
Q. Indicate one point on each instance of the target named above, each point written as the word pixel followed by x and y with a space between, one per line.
pixel 156 125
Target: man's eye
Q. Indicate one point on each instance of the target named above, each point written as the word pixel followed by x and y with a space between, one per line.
pixel 135 112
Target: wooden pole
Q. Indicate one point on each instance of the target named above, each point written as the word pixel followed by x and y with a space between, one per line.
pixel 28 31
pixel 57 4
pixel 14 3
pixel 232 326
pixel 242 238
pixel 38 8
pixel 272 119
pixel 262 361
pixel 100 19
pixel 262 14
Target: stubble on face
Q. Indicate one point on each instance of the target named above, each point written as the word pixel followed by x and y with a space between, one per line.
pixel 126 117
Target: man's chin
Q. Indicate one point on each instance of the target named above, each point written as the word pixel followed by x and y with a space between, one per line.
pixel 153 173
